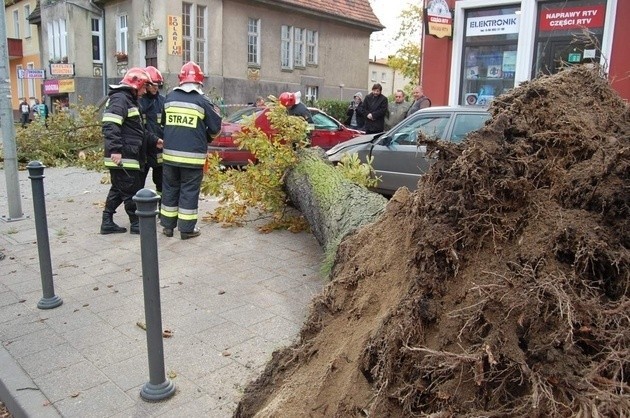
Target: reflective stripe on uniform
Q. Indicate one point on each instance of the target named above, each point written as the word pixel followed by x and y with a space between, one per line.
pixel 192 158
pixel 160 158
pixel 183 114
pixel 125 163
pixel 133 111
pixel 111 117
pixel 187 214
pixel 168 211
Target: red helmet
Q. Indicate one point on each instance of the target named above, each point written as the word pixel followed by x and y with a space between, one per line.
pixel 190 73
pixel 155 74
pixel 136 78
pixel 287 99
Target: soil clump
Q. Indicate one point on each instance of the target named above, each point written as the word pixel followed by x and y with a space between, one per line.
pixel 499 288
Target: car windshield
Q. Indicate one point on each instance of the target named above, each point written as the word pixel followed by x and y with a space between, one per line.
pixel 324 122
pixel 237 117
pixel 432 126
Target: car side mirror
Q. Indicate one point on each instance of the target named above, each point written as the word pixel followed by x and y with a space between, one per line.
pixel 385 141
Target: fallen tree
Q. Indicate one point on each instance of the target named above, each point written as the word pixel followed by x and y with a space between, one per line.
pixel 499 288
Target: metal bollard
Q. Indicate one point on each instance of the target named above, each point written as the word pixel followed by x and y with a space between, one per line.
pixel 159 386
pixel 36 174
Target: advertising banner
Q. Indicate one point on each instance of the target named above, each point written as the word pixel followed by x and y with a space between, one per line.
pixel 492 25
pixel 31 73
pixel 174 41
pixel 61 69
pixel 568 18
pixel 438 19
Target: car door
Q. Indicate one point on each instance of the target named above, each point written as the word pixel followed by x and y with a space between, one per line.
pixel 465 123
pixel 398 160
pixel 325 134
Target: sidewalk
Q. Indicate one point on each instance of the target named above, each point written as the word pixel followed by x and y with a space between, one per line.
pixel 230 297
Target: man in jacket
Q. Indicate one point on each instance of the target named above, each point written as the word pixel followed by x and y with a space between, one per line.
pixel 397 110
pixel 420 101
pixel 152 104
pixel 190 123
pixel 374 109
pixel 126 143
pixel 25 113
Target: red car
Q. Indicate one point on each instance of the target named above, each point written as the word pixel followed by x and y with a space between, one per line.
pixel 328 132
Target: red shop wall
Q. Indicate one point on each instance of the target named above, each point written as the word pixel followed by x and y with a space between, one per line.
pixel 436 66
pixel 619 73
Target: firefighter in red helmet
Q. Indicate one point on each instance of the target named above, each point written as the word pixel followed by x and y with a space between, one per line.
pixel 152 105
pixel 190 123
pixel 126 142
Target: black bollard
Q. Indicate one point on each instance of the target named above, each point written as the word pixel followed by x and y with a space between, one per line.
pixel 158 387
pixel 36 174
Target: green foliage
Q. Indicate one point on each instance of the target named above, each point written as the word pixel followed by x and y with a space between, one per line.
pixel 335 108
pixel 357 172
pixel 73 137
pixel 408 58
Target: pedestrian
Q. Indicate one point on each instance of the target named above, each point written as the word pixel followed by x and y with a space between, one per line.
pixel 152 105
pixel 126 142
pixel 260 102
pixel 25 112
pixel 374 109
pixel 354 119
pixel 397 110
pixel 420 101
pixel 190 123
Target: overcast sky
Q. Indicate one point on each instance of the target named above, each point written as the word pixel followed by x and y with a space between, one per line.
pixel 388 12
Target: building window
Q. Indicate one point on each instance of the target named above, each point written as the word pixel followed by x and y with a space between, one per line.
pixel 383 78
pixel 27 25
pixel 151 52
pixel 253 42
pixel 193 34
pixel 57 40
pixel 299 47
pixel 97 37
pixel 30 82
pixel 20 82
pixel 16 24
pixel 373 76
pixel 286 47
pixel 122 35
pixel 312 93
pixel 311 47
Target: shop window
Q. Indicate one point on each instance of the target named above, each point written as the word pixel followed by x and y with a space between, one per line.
pixel 568 32
pixel 490 53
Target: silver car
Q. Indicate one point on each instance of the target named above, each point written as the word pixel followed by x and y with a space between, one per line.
pixel 397 159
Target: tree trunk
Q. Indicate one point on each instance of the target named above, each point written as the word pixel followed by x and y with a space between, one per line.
pixel 332 205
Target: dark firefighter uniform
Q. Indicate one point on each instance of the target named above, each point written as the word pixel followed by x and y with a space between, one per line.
pixel 152 106
pixel 124 133
pixel 190 123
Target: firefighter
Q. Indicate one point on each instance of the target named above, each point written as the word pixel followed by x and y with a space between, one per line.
pixel 126 143
pixel 152 105
pixel 190 123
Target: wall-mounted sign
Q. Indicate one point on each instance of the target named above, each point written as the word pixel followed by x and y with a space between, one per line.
pixel 572 18
pixel 58 86
pixel 492 25
pixel 62 69
pixel 31 73
pixel 438 19
pixel 174 41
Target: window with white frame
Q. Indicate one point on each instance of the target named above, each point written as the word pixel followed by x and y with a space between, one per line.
pixel 286 47
pixel 383 78
pixel 122 34
pixel 27 25
pixel 253 41
pixel 194 29
pixel 97 39
pixel 311 47
pixel 373 76
pixel 299 58
pixel 312 92
pixel 57 40
pixel 30 82
pixel 20 81
pixel 16 24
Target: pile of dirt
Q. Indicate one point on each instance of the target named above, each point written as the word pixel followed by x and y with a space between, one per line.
pixel 499 288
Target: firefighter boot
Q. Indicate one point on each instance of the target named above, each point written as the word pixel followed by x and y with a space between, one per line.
pixel 109 227
pixel 134 227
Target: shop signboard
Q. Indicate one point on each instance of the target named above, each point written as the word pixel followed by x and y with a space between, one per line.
pixel 59 86
pixel 174 41
pixel 31 73
pixel 492 25
pixel 438 19
pixel 568 18
pixel 61 69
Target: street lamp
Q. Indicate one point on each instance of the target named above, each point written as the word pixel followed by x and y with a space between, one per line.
pixel 341 86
